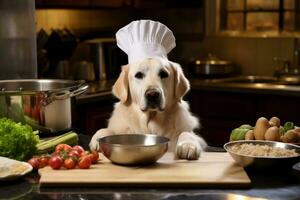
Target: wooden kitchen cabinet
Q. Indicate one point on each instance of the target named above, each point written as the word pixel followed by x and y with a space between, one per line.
pixel 166 3
pixel 139 4
pixel 110 3
pixel 61 3
pixel 80 3
pixel 220 112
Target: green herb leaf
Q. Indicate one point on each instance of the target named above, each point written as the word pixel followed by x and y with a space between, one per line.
pixel 288 126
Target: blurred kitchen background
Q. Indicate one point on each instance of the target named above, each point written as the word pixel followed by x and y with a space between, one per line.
pixel 250 33
pixel 76 40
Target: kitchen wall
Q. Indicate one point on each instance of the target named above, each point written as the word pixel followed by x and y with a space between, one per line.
pixel 81 19
pixel 253 56
pixel 185 22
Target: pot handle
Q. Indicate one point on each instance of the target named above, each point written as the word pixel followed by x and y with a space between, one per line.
pixel 61 95
pixel 79 90
pixel 67 94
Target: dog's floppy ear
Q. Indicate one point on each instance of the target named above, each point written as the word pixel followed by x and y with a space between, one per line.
pixel 181 84
pixel 121 88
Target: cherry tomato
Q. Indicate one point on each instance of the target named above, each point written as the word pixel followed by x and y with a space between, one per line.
pixel 44 159
pixel 94 157
pixel 85 153
pixel 63 154
pixel 84 162
pixel 78 148
pixel 34 162
pixel 91 156
pixel 55 162
pixel 74 153
pixel 69 163
pixel 62 147
pixel 54 154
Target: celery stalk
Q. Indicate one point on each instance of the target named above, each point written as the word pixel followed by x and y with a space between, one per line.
pixel 48 146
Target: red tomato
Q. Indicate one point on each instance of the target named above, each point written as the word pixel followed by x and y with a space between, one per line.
pixel 74 153
pixel 84 162
pixel 69 163
pixel 44 159
pixel 54 154
pixel 34 162
pixel 85 153
pixel 78 148
pixel 95 156
pixel 62 147
pixel 91 156
pixel 62 154
pixel 55 162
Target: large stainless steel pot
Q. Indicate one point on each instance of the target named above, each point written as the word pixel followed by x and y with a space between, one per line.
pixel 212 68
pixel 44 104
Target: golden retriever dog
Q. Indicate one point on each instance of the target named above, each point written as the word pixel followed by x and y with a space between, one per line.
pixel 150 94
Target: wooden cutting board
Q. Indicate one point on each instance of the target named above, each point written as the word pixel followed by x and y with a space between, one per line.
pixel 211 170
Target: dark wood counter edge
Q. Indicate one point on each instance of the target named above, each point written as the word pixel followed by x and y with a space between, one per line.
pixel 254 88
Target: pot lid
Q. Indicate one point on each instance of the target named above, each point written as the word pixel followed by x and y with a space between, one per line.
pixel 37 85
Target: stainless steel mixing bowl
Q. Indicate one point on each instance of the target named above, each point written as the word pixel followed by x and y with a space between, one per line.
pixel 259 162
pixel 133 149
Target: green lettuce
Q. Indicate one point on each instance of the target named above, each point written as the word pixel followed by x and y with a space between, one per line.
pixel 17 141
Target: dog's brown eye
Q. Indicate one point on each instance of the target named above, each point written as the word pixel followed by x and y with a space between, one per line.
pixel 163 74
pixel 139 75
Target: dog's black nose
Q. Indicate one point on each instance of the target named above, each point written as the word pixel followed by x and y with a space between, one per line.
pixel 152 96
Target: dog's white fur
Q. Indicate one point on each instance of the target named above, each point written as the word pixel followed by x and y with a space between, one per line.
pixel 172 117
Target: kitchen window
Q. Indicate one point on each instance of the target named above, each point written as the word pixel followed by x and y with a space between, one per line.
pixel 256 17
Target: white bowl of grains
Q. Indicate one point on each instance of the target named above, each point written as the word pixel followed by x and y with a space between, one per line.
pixel 261 154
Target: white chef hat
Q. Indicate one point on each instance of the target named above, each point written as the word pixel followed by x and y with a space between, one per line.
pixel 145 39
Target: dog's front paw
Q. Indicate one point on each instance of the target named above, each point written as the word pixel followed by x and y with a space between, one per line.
pixel 188 150
pixel 188 147
pixel 94 144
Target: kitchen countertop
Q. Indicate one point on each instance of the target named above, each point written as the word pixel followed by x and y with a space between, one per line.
pixel 268 185
pixel 256 88
pixel 100 90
